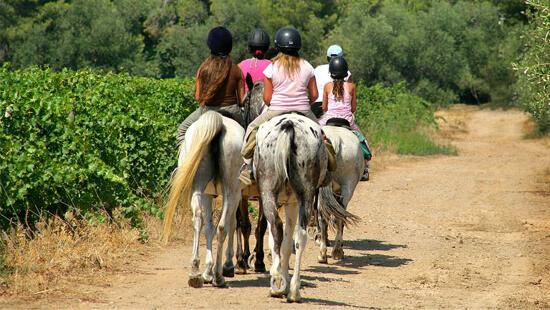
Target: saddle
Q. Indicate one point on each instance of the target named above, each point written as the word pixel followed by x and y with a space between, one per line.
pixel 339 122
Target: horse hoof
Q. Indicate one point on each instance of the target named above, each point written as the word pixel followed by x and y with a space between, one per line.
pixel 219 282
pixel 278 286
pixel 322 259
pixel 207 279
pixel 259 267
pixel 228 271
pixel 240 270
pixel 338 254
pixel 195 281
pixel 294 297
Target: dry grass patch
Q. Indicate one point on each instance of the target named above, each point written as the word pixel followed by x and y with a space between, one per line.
pixel 59 253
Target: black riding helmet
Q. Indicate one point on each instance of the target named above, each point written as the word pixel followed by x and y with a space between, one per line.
pixel 220 41
pixel 288 40
pixel 338 68
pixel 258 38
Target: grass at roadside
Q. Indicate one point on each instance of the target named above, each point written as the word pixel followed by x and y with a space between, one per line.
pixel 411 143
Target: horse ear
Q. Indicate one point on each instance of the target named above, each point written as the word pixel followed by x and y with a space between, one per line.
pixel 249 82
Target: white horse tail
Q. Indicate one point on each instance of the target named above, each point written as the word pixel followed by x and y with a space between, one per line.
pixel 330 208
pixel 283 146
pixel 207 127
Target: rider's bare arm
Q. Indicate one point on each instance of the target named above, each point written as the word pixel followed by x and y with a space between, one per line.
pixel 268 91
pixel 312 90
pixel 240 89
pixel 198 87
pixel 326 91
pixel 353 97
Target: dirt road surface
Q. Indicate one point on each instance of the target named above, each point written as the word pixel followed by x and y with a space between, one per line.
pixel 466 231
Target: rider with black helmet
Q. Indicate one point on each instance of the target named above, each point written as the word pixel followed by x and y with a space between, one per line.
pixel 340 101
pixel 220 85
pixel 289 86
pixel 258 45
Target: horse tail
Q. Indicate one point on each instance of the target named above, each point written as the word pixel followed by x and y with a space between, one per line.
pixel 330 208
pixel 283 146
pixel 206 129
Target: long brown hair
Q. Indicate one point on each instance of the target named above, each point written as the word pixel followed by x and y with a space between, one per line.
pixel 289 62
pixel 212 74
pixel 338 89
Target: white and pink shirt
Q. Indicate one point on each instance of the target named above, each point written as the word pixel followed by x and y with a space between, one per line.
pixel 290 94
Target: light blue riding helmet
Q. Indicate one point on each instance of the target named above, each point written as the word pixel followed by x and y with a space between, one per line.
pixel 335 50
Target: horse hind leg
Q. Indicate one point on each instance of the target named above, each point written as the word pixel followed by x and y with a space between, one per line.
pixel 322 238
pixel 226 228
pixel 279 285
pixel 338 249
pixel 259 265
pixel 209 231
pixel 300 244
pixel 291 212
pixel 195 278
pixel 243 237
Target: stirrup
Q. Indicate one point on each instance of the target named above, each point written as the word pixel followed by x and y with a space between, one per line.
pixel 245 174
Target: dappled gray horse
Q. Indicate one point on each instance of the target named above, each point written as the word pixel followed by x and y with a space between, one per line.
pixel 208 166
pixel 350 164
pixel 290 164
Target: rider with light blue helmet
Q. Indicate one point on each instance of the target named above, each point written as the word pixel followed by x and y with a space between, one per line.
pixel 322 76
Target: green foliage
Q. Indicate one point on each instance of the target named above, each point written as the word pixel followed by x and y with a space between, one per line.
pixel 445 53
pixel 391 116
pixel 534 67
pixel 85 141
pixel 100 33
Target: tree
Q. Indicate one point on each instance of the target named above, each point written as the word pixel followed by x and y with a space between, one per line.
pixel 534 67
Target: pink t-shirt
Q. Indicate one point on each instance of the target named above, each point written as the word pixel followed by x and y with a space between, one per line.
pixel 288 94
pixel 256 69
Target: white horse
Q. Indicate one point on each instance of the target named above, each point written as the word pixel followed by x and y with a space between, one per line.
pixel 350 164
pixel 208 165
pixel 290 164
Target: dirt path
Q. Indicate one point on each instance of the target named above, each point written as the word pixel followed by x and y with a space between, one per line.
pixel 466 231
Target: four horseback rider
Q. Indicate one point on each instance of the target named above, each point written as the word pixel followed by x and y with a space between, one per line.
pixel 290 85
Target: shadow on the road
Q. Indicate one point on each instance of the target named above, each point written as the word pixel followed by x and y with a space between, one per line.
pixel 370 245
pixel 261 281
pixel 354 261
pixel 318 301
pixel 331 268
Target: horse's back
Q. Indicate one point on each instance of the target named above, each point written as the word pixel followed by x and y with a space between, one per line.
pixel 348 153
pixel 224 153
pixel 290 147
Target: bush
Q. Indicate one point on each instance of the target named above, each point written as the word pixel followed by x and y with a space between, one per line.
pixel 534 67
pixel 85 141
pixel 391 117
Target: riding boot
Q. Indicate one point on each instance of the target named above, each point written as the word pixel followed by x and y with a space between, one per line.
pixel 366 174
pixel 249 145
